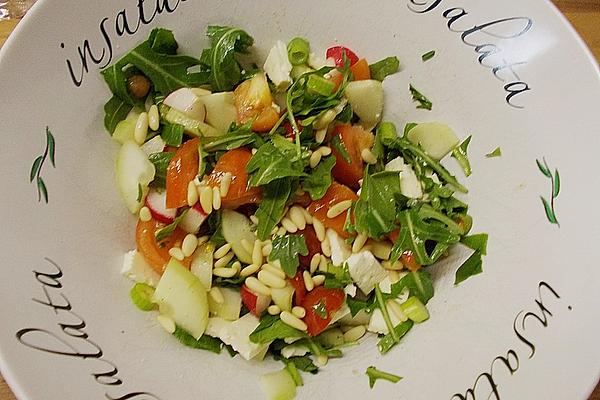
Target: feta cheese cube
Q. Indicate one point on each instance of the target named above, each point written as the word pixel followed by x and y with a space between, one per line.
pixel 350 290
pixel 278 66
pixel 237 334
pixel 294 350
pixel 409 183
pixel 340 250
pixel 365 270
pixel 137 269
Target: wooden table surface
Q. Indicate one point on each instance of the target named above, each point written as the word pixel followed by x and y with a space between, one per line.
pixel 583 14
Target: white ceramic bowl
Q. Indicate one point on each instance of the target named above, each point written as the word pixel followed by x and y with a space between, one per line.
pixel 514 74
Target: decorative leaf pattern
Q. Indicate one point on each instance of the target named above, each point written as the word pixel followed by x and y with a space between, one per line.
pixel 555 179
pixel 38 164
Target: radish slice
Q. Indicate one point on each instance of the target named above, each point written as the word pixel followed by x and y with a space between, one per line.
pixel 186 101
pixel 156 201
pixel 193 219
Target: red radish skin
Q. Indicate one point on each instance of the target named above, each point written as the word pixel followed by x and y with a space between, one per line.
pixel 156 202
pixel 193 219
pixel 256 303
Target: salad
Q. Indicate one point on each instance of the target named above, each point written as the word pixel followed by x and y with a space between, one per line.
pixel 277 215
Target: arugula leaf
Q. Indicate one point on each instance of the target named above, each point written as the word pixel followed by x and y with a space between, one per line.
pixel 303 363
pixel 472 266
pixel 387 342
pixel 271 208
pixel 271 328
pixel 169 229
pixel 337 144
pixel 374 374
pixel 317 183
pixel 337 277
pixel 356 305
pixel 269 164
pixel 236 137
pixel 214 225
pixel 166 71
pixel 418 283
pixel 497 152
pixel 172 134
pixel 286 249
pixel 115 111
pixel 415 232
pixel 477 242
pixel 418 97
pixel 163 41
pixel 428 56
pixel 293 371
pixel 161 162
pixel 226 41
pixel 204 343
pixel 375 209
pixel 460 154
pixel 383 68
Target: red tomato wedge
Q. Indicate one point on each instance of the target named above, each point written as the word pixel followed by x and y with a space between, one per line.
pixel 299 288
pixel 235 161
pixel 407 258
pixel 361 70
pixel 312 244
pixel 182 169
pixel 254 101
pixel 354 140
pixel 337 78
pixel 318 208
pixel 320 305
pixel 337 53
pixel 157 254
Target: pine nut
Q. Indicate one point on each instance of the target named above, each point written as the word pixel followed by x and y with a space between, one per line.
pixel 192 194
pixel 319 229
pixel 216 294
pixel 167 323
pixel 359 242
pixel 339 208
pixel 247 245
pixel 308 282
pixel 203 239
pixel 153 118
pixel 237 266
pixel 326 247
pixel 323 265
pixel 216 194
pixel 314 262
pixel 318 280
pixel 257 256
pixel 254 219
pixel 222 251
pixel 224 272
pixel 320 135
pixel 257 286
pixel 266 250
pixel 289 225
pixel 176 253
pixel 381 250
pixel 270 279
pixel 397 266
pixel 225 184
pixel 297 217
pixel 188 247
pixel 141 128
pixel 325 119
pixel 394 276
pixel 315 159
pixel 206 199
pixel 299 312
pixel 274 270
pixel 324 150
pixel 368 156
pixel 322 360
pixel 273 309
pixel 293 321
pixel 354 334
pixel 249 270
pixel 281 231
pixel 223 261
pixel 145 214
pixel 307 217
pixel 254 151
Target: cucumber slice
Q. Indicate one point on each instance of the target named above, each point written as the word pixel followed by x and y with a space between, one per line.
pixel 124 130
pixel 230 308
pixel 220 110
pixel 191 126
pixel 278 385
pixel 366 99
pixel 134 174
pixel 283 297
pixel 435 138
pixel 182 297
pixel 331 338
pixel 202 264
pixel 236 227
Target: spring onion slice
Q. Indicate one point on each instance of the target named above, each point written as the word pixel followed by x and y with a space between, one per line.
pixel 141 295
pixel 415 310
pixel 298 51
